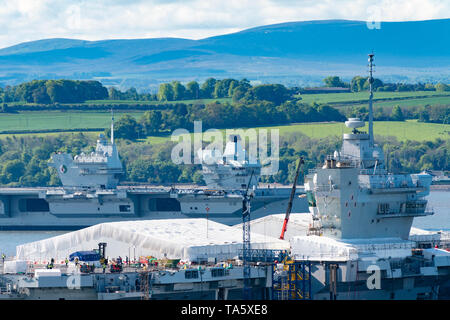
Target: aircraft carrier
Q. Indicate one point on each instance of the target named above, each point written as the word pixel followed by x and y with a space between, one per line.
pixel 355 243
pixel 91 194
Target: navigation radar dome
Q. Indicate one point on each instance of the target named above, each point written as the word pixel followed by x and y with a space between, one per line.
pixel 354 123
pixel 376 154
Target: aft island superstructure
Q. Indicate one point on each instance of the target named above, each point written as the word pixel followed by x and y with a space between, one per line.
pixel 362 214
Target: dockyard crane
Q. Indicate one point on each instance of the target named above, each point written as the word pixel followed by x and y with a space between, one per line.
pixel 291 198
pixel 246 243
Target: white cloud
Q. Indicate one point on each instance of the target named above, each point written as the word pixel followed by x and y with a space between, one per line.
pixel 25 20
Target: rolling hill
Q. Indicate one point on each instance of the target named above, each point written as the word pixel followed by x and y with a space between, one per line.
pixel 291 53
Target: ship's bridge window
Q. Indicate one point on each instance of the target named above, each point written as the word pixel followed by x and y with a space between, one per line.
pixel 383 208
pixel 191 274
pixel 219 272
pixel 33 205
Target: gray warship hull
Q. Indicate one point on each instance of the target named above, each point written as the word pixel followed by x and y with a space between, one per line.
pixel 65 209
pixel 413 278
pixel 178 284
pixel 131 285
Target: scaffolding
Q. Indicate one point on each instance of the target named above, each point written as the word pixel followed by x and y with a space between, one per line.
pixel 145 284
pixel 246 248
pixel 291 281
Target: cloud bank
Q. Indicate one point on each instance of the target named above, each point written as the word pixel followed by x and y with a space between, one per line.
pixel 27 20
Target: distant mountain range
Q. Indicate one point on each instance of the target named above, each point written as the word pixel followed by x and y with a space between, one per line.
pixel 294 53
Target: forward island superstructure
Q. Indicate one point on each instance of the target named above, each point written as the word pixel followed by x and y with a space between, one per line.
pixel 100 169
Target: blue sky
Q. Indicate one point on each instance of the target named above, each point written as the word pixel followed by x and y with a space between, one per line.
pixel 27 20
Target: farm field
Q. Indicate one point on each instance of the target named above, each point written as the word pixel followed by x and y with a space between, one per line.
pixel 57 120
pixel 352 97
pixel 407 130
pixel 411 102
pixel 332 98
pixel 91 134
pixel 50 120
pixel 194 101
pixel 19 123
pixel 402 130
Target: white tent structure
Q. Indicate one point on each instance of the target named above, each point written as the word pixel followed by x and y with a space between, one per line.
pixel 15 266
pixel 186 239
pixel 417 234
pixel 270 226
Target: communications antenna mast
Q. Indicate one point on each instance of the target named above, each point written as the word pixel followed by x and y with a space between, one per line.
pixel 371 65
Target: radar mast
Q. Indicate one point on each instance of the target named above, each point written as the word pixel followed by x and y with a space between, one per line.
pixel 112 126
pixel 371 143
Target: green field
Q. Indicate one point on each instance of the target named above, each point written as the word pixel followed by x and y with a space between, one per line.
pixel 49 120
pixel 407 130
pixel 194 101
pixel 354 97
pixel 411 102
pixel 52 120
pixel 338 99
pixel 91 134
pixel 133 102
pixel 69 120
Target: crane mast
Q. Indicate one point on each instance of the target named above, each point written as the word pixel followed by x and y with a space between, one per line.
pixel 291 198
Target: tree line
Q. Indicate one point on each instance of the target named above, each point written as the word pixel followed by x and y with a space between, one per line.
pixel 76 91
pixel 359 83
pixel 54 91
pixel 23 160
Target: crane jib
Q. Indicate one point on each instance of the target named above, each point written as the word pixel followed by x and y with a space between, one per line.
pixel 289 208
